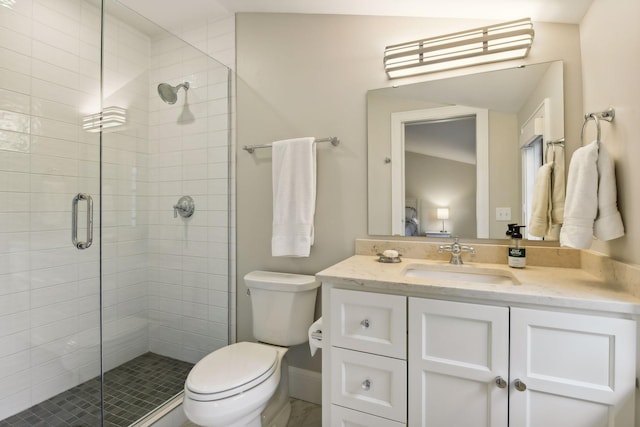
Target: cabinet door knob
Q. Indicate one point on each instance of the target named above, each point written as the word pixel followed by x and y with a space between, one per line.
pixel 519 385
pixel 365 323
pixel 500 382
pixel 366 385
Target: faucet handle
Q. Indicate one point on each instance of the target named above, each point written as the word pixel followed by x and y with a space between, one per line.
pixel 185 207
pixel 456 249
pixel 468 249
pixel 449 247
pixel 443 248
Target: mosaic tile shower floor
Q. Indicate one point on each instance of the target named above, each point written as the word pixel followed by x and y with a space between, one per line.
pixel 132 390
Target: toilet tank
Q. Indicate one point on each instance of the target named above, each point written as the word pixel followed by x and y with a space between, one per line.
pixel 282 305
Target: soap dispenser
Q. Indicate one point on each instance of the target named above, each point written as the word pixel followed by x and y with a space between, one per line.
pixel 517 255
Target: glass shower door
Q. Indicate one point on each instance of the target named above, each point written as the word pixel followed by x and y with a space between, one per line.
pixel 49 281
pixel 99 281
pixel 165 281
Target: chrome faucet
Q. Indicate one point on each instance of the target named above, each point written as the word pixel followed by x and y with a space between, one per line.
pixel 456 250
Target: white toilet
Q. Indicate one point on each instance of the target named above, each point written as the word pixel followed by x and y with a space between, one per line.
pixel 246 384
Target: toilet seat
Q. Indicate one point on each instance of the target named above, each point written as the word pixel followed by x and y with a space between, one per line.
pixel 230 371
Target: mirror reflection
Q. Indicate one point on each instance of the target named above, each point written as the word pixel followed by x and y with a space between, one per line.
pixel 468 146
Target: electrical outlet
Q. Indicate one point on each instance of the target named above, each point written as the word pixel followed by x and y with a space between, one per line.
pixel 503 214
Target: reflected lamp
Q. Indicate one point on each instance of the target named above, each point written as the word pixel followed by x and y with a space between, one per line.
pixel 109 117
pixel 442 213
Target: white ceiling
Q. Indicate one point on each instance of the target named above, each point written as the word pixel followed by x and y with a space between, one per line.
pixel 168 14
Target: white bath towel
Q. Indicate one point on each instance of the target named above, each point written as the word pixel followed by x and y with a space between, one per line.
pixel 294 196
pixel 540 221
pixel 581 204
pixel 608 224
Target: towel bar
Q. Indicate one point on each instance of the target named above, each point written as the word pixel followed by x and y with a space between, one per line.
pixel 332 139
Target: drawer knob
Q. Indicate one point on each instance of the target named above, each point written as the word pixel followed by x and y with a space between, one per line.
pixel 519 385
pixel 365 323
pixel 500 382
pixel 366 385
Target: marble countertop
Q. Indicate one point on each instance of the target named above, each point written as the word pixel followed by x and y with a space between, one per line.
pixel 569 288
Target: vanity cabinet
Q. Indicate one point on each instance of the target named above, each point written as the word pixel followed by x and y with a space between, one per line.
pixel 393 360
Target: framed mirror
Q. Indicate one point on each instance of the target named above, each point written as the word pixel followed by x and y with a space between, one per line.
pixel 459 144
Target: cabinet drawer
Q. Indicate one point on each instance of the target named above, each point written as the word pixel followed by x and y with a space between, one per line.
pixel 369 383
pixel 375 323
pixel 343 417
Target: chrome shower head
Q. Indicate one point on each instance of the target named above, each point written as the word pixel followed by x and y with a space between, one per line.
pixel 168 93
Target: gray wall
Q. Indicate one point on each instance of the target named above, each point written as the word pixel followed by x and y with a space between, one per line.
pixel 300 75
pixel 611 71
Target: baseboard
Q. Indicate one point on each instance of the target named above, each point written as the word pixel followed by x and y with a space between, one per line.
pixel 305 385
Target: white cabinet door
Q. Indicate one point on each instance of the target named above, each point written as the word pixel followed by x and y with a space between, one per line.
pixel 575 370
pixel 456 352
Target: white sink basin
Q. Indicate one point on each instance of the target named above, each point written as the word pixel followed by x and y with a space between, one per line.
pixel 455 273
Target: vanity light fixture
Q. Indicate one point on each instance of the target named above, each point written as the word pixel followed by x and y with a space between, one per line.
pixel 109 117
pixel 442 213
pixel 492 43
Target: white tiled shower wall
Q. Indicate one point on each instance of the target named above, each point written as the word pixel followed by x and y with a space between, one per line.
pixel 216 36
pixel 125 172
pixel 164 278
pixel 188 146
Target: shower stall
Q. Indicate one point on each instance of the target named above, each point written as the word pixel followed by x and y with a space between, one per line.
pixel 114 214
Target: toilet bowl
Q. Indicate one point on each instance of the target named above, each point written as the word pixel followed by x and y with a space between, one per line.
pixel 246 384
pixel 232 386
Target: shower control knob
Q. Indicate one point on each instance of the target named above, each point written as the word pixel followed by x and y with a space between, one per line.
pixel 185 207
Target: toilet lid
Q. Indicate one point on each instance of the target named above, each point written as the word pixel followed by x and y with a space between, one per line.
pixel 232 369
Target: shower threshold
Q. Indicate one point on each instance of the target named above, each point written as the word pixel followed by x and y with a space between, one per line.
pixel 132 391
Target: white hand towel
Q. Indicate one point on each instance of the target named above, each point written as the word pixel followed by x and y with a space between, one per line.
pixel 608 224
pixel 540 221
pixel 581 204
pixel 294 196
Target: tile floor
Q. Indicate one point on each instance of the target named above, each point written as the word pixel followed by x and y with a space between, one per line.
pixel 132 390
pixel 303 414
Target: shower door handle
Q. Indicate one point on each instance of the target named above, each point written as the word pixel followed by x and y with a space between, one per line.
pixel 74 221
